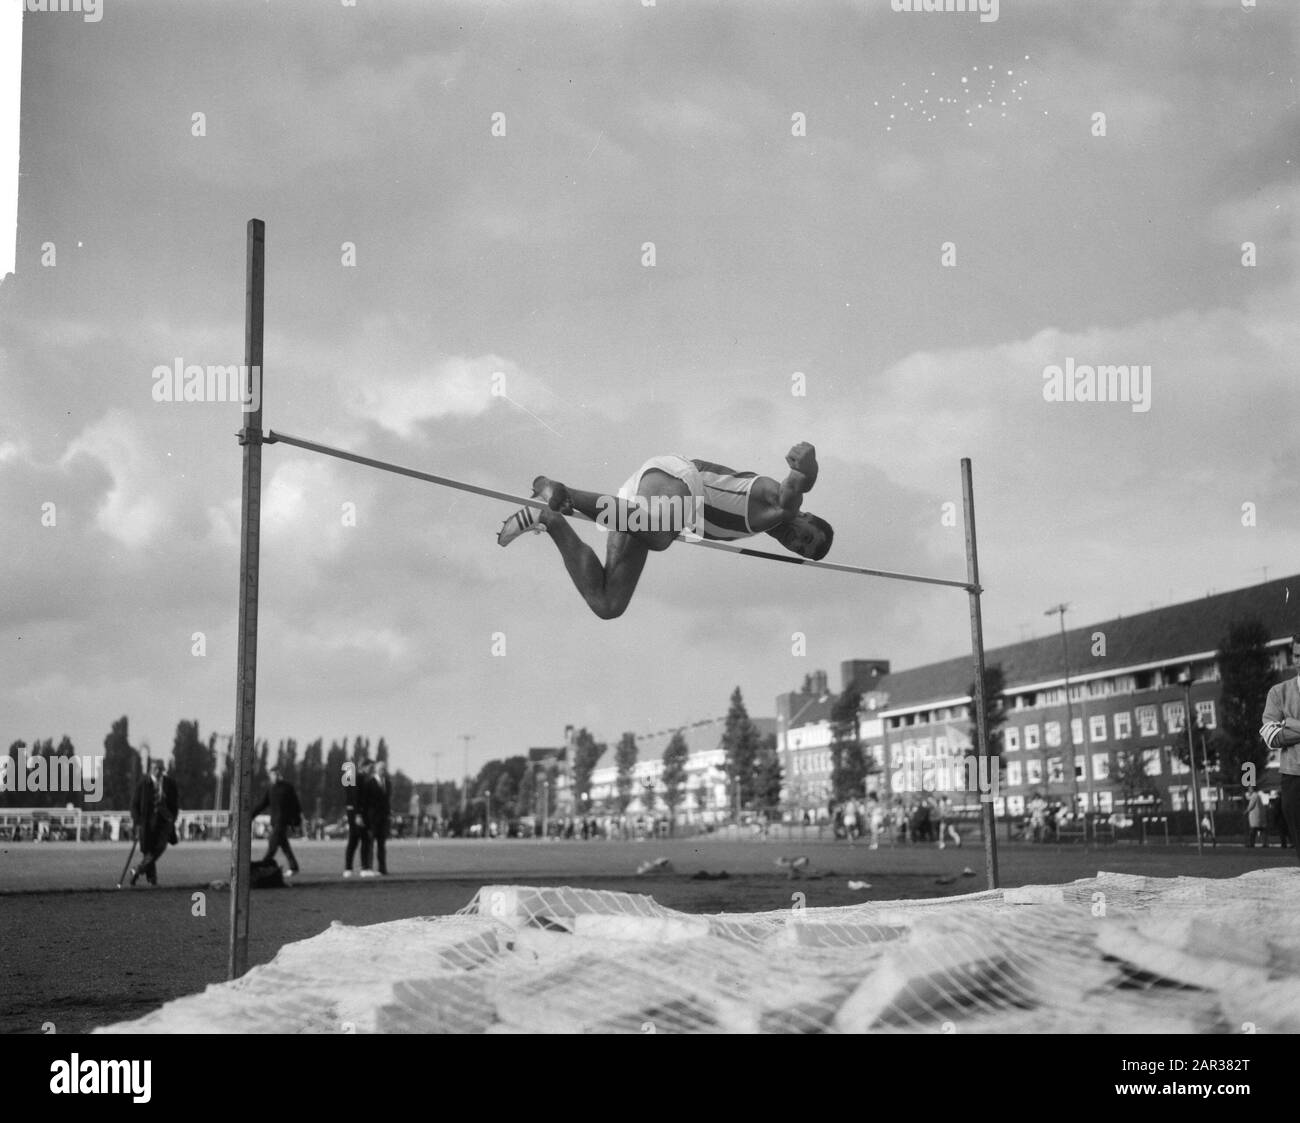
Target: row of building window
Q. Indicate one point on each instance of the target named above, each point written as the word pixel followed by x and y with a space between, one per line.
pixel 1180 799
pixel 1032 771
pixel 1148 724
pixel 1155 679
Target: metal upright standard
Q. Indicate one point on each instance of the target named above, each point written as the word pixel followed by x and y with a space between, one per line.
pixel 986 764
pixel 241 841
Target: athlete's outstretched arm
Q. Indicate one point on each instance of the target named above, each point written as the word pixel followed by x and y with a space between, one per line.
pixel 802 459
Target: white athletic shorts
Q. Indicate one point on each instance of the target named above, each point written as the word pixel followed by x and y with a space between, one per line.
pixel 679 468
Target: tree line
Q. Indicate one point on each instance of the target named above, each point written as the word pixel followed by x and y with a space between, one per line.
pixel 204 771
pixel 513 787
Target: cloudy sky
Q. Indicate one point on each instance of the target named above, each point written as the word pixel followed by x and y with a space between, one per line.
pixel 798 169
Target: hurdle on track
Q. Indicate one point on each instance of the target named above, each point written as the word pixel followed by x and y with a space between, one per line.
pixel 251 438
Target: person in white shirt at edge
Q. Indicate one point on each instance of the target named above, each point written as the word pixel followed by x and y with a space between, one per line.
pixel 1281 731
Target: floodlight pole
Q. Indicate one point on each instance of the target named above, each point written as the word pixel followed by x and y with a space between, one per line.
pixel 241 842
pixel 464 793
pixel 1191 758
pixel 985 763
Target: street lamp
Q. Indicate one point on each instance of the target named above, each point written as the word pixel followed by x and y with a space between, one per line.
pixel 464 795
pixel 1186 679
pixel 1059 610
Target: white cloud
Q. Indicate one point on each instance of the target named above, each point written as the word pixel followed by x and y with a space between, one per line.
pixel 460 386
pixel 133 510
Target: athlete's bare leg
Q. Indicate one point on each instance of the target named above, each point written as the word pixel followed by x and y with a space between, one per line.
pixel 608 588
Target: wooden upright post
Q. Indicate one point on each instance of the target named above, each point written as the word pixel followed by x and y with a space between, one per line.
pixel 986 764
pixel 250 436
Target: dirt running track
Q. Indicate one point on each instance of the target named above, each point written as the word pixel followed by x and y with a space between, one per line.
pixel 76 953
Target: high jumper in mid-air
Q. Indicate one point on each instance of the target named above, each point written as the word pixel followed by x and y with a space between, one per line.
pixel 667 496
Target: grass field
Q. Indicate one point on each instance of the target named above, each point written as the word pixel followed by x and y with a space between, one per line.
pixel 77 953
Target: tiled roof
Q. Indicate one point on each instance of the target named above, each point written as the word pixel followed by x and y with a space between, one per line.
pixel 701 737
pixel 546 754
pixel 812 709
pixel 1149 637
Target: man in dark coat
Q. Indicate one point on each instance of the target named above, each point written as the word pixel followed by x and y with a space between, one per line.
pixel 376 796
pixel 155 809
pixel 358 835
pixel 286 815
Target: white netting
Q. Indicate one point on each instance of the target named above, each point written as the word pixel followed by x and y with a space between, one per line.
pixel 1114 953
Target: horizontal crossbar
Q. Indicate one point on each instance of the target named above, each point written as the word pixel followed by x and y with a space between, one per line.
pixel 272 437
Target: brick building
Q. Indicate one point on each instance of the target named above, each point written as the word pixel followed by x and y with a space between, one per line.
pixel 1113 742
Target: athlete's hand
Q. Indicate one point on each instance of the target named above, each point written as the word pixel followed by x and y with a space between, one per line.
pixel 803 459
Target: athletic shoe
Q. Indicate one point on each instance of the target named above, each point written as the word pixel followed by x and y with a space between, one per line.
pixel 554 494
pixel 369 873
pixel 521 522
pixel 135 873
pixel 290 873
pixel 347 873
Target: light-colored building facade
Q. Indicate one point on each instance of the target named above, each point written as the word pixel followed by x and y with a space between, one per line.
pixel 705 790
pixel 1116 743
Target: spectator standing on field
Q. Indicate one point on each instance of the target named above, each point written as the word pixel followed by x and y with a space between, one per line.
pixel 1255 818
pixel 155 809
pixel 1277 821
pixel 286 815
pixel 922 824
pixel 850 820
pixel 1207 829
pixel 947 828
pixel 358 834
pixel 376 795
pixel 875 819
pixel 1037 817
pixel 1281 731
pixel 902 821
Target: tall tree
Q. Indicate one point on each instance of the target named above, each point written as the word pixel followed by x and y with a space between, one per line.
pixel 504 796
pixel 1130 774
pixel 287 760
pixel 311 777
pixel 586 753
pixel 192 766
pixel 403 788
pixel 848 762
pixel 122 769
pixel 516 767
pixel 45 776
pixel 1246 674
pixel 9 795
pixel 702 794
pixel 486 781
pixel 676 756
pixel 381 750
pixel 995 710
pixel 214 761
pixel 526 798
pixel 262 775
pixel 336 774
pixel 625 759
pixel 74 796
pixel 767 776
pixel 227 774
pixel 740 749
